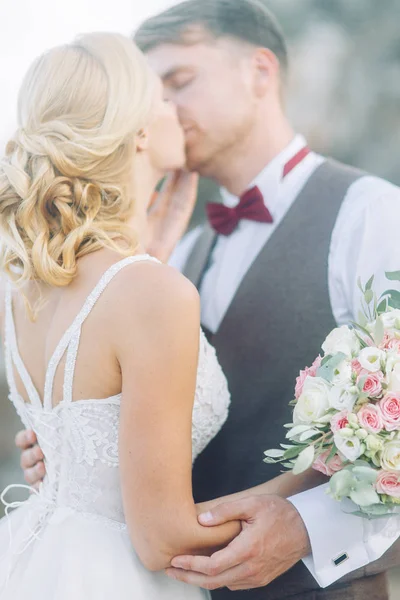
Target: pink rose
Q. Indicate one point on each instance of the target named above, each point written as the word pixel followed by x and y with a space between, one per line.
pixel 390 409
pixel 373 384
pixel 300 384
pixel 370 418
pixel 335 464
pixel 315 366
pixel 308 372
pixel 339 420
pixel 388 483
pixel 391 343
pixel 355 365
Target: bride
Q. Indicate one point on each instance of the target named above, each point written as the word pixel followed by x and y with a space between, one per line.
pixel 105 360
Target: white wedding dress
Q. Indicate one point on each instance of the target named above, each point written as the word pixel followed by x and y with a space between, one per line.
pixel 69 541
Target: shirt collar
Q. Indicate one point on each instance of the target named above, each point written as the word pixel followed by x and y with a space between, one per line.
pixel 270 177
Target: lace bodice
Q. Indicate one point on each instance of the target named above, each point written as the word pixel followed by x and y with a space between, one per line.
pixel 80 438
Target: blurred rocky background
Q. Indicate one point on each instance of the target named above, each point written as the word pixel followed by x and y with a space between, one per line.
pixel 343 94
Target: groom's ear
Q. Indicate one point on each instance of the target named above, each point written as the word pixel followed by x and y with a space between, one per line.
pixel 266 71
pixel 142 140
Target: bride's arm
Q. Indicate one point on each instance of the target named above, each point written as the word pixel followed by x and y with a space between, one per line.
pixel 157 343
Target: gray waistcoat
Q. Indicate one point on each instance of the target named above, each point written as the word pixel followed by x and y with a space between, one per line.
pixel 274 327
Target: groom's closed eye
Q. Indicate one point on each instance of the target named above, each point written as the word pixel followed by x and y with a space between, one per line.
pixel 179 79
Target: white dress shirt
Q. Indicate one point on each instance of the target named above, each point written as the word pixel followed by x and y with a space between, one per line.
pixel 365 241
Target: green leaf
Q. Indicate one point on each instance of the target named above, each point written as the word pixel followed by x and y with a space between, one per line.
pixel 288 465
pixel 392 275
pixel 369 283
pixel 365 474
pixel 369 296
pixel 364 495
pixel 332 453
pixel 341 484
pixel 361 382
pixel 304 460
pixel 361 328
pixel 382 306
pixel 362 319
pixel 393 298
pixel 326 359
pixel 274 453
pixel 360 287
pixel 379 331
pixel 297 429
pixel 308 434
pixel 293 452
pixel 326 370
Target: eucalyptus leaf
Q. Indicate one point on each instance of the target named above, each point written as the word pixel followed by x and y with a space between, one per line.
pixel 364 495
pixel 341 484
pixel 304 460
pixel 393 298
pixel 274 453
pixel 288 465
pixel 297 429
pixel 365 474
pixel 270 461
pixel 293 452
pixel 360 287
pixel 309 434
pixel 326 370
pixel 326 359
pixel 392 275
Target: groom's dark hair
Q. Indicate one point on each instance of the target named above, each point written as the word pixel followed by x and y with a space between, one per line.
pixel 244 20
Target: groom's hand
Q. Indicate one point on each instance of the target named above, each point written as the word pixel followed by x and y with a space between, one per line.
pixel 273 539
pixel 31 458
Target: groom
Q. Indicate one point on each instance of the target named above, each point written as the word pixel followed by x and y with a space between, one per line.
pixel 276 266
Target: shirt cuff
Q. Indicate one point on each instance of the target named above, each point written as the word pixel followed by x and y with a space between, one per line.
pixel 340 542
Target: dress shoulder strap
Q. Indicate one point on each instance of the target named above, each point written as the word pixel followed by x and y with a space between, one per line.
pixel 71 338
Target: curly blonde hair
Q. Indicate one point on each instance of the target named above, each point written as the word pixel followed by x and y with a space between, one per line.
pixel 65 181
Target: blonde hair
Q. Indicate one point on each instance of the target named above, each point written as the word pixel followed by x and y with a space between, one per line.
pixel 65 181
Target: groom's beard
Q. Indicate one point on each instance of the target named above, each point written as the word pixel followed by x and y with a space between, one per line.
pixel 209 155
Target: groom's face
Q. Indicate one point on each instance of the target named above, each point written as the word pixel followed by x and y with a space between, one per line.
pixel 211 84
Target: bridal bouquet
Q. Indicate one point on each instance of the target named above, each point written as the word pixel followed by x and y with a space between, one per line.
pixel 346 417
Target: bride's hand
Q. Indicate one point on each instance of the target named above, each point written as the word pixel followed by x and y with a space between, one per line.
pixel 170 213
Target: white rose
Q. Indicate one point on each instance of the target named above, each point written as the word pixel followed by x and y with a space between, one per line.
pixel 371 359
pixel 343 397
pixel 393 378
pixel 341 339
pixel 350 447
pixel 391 319
pixel 390 459
pixel 313 402
pixel 342 374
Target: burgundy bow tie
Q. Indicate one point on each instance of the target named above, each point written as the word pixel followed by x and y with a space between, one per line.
pixel 251 206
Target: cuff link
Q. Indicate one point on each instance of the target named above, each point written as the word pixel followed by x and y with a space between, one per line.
pixel 340 559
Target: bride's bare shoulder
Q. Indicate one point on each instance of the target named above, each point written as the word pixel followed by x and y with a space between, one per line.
pixel 154 290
